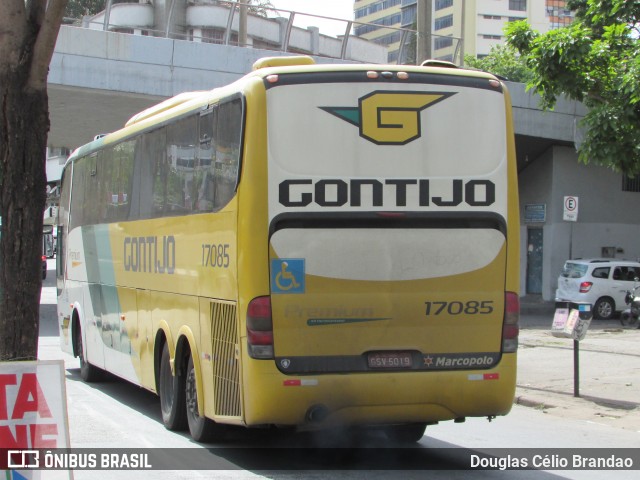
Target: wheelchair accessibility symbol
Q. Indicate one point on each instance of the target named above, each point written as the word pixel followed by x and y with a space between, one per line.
pixel 287 275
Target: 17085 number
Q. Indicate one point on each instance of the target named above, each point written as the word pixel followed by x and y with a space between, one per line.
pixel 215 255
pixel 472 307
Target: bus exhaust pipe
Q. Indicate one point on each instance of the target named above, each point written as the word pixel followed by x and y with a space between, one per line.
pixel 317 414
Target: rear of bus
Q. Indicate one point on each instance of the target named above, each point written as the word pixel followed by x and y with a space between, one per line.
pixel 392 249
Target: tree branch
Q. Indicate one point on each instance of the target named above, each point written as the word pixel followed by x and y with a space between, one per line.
pixel 46 39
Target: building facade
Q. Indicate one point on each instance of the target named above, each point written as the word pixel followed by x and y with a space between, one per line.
pixel 605 225
pixel 458 27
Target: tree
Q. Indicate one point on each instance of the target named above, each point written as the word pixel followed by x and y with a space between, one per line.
pixel 503 61
pixel 256 7
pixel 595 60
pixel 79 8
pixel 28 32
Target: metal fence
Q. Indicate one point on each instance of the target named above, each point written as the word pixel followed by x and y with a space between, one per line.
pixel 232 23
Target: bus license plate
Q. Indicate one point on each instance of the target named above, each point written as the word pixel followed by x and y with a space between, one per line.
pixel 390 360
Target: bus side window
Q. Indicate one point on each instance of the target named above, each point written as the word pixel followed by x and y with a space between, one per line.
pixel 181 155
pixel 80 192
pixel 119 181
pixel 228 145
pixel 203 179
pixel 148 173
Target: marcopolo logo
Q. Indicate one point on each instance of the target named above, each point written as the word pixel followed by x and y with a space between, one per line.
pixel 389 118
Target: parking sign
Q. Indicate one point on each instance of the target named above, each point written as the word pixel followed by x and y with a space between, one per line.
pixel 570 209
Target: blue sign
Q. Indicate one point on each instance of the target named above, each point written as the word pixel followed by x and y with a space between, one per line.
pixel 287 275
pixel 535 213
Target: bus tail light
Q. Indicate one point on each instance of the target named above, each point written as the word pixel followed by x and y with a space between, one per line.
pixel 260 328
pixel 510 329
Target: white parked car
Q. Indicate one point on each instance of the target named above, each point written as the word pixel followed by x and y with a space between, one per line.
pixel 601 282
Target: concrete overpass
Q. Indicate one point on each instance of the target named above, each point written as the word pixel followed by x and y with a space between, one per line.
pixel 99 79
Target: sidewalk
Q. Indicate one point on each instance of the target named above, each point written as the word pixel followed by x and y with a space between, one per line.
pixel 609 371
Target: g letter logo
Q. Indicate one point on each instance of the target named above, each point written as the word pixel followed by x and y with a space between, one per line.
pixel 389 118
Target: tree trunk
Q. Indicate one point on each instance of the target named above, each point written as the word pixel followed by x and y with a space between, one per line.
pixel 24 125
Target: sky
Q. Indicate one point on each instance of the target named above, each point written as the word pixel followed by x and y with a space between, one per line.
pixel 327 8
pixel 342 9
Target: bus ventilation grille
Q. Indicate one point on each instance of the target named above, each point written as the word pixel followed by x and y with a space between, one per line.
pixel 225 366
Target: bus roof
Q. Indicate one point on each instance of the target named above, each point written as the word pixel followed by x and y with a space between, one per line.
pixel 262 68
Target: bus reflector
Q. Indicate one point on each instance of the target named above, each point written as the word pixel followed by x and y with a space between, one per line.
pixel 510 329
pixel 260 328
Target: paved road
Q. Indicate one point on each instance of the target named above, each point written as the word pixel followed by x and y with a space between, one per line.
pixel 115 414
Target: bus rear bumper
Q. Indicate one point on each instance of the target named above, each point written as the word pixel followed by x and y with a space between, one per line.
pixel 324 401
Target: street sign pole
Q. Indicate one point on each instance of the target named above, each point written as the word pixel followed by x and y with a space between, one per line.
pixel 570 214
pixel 570 241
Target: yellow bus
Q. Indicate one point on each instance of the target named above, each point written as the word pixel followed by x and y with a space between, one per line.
pixel 311 246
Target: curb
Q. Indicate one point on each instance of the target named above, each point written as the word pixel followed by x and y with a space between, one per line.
pixel 534 401
pixel 531 403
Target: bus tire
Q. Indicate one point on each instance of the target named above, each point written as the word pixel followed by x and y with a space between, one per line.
pixel 171 392
pixel 202 429
pixel 409 433
pixel 89 373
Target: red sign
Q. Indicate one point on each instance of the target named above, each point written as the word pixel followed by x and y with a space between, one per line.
pixel 33 407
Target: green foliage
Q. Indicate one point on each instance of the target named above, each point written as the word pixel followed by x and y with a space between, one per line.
pixel 502 61
pixel 79 8
pixel 595 60
pixel 256 7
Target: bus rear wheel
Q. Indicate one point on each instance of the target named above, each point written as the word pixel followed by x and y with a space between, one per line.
pixel 409 433
pixel 88 372
pixel 202 429
pixel 171 391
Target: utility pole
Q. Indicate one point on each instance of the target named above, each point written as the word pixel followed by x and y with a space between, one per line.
pixel 424 21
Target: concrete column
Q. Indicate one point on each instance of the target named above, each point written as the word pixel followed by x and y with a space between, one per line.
pixel 242 27
pixel 424 23
pixel 314 40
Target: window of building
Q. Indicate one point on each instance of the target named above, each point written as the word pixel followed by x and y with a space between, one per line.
pixel 375 7
pixel 492 37
pixel 123 30
pixel 442 42
pixel 630 184
pixel 389 20
pixel 212 35
pixel 440 4
pixel 492 17
pixel 389 39
pixel 443 22
pixel 409 17
pixel 518 5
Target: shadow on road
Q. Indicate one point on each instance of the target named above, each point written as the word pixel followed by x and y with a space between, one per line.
pixel 280 452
